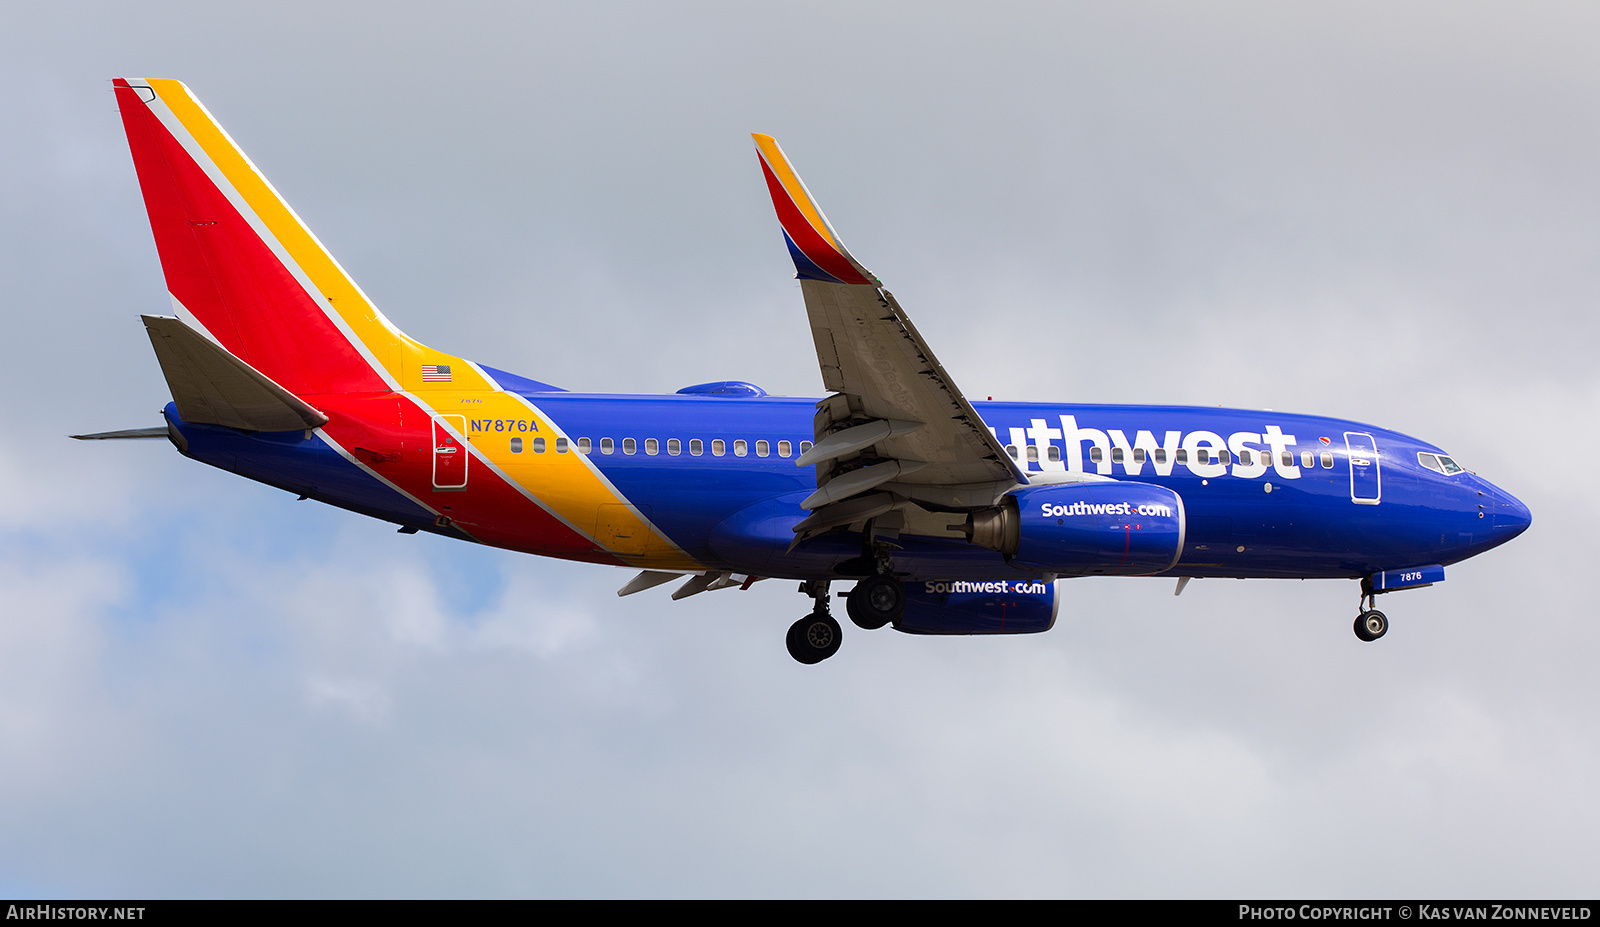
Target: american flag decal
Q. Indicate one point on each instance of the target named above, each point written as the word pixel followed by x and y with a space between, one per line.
pixel 436 373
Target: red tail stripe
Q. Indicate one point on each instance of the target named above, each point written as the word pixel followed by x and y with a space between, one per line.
pixel 222 272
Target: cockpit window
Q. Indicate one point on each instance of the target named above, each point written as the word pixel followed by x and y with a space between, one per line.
pixel 1440 464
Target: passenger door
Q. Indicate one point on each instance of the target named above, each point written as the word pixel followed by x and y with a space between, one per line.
pixel 1366 480
pixel 450 452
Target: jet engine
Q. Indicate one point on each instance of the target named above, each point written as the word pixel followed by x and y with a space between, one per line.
pixel 978 607
pixel 1085 529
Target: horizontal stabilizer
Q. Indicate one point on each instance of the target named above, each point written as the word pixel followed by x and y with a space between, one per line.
pixel 211 386
pixel 158 432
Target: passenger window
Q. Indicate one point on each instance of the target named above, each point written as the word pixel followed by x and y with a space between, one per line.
pixel 1138 455
pixel 1307 460
pixel 1116 455
pixel 1011 451
pixel 607 446
pixel 652 446
pixel 696 447
pixel 561 445
pixel 1095 454
pixel 674 446
pixel 1202 456
pixel 516 445
pixel 783 448
pixel 1245 460
pixel 763 449
pixel 584 446
pixel 740 448
pixel 805 446
pixel 1224 458
pixel 1287 457
pixel 1033 452
pixel 1055 452
pixel 1161 455
pixel 719 447
pixel 1182 456
pixel 538 445
pixel 630 446
pixel 1327 460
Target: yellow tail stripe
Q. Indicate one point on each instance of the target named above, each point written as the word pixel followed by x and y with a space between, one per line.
pixel 566 484
pixel 797 188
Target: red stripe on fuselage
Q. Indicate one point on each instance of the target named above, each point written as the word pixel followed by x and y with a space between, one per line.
pixel 395 439
pixel 222 272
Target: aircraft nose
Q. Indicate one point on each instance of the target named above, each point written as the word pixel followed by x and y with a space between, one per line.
pixel 1510 517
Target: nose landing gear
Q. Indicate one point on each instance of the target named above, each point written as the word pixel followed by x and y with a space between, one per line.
pixel 1371 624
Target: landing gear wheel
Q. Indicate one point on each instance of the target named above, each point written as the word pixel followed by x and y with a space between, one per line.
pixel 876 601
pixel 855 605
pixel 1371 625
pixel 814 638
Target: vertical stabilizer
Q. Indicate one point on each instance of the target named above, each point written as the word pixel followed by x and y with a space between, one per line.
pixel 243 268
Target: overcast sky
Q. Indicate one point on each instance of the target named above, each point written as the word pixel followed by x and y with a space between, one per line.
pixel 1385 212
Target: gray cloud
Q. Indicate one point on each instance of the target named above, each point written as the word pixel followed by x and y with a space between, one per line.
pixel 1375 212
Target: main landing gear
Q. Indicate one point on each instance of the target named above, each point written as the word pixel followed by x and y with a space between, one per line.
pixel 815 637
pixel 1371 624
pixel 874 602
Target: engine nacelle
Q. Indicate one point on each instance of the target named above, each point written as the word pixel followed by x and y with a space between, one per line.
pixel 1002 606
pixel 1078 529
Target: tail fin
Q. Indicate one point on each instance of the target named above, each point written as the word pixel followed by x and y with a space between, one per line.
pixel 243 268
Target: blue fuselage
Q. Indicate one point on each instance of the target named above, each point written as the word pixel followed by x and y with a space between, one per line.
pixel 1266 494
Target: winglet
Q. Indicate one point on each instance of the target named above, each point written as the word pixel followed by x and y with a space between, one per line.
pixel 818 253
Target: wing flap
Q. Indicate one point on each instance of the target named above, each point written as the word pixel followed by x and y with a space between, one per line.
pixel 213 387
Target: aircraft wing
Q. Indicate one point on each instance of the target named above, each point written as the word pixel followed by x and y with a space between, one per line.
pixel 896 425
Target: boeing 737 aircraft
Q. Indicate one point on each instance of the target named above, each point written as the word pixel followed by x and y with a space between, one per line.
pixel 948 516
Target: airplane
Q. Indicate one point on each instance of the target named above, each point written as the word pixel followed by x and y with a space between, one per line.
pixel 946 516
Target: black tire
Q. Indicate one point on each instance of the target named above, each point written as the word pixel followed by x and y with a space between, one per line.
pixel 856 607
pixel 814 638
pixel 878 599
pixel 1371 625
